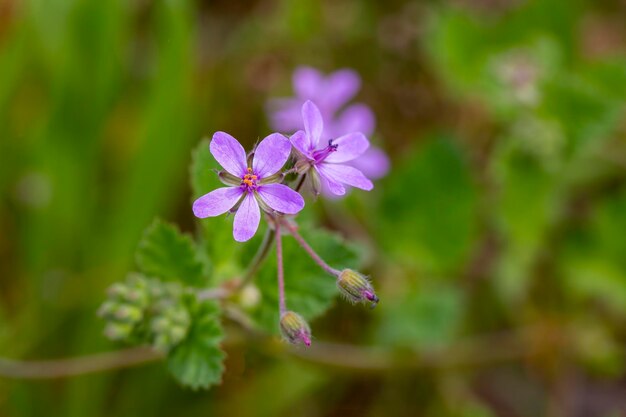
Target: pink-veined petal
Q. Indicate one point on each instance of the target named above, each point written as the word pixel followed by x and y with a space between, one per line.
pixel 216 202
pixel 346 175
pixel 229 153
pixel 247 219
pixel 307 82
pixel 313 123
pixel 300 141
pixel 281 198
pixel 349 146
pixel 270 155
pixel 329 183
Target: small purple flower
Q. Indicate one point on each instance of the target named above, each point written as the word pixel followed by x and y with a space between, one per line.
pixel 328 159
pixel 331 93
pixel 249 186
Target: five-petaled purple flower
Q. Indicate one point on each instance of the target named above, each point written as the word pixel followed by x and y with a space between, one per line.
pixel 249 186
pixel 327 159
pixel 331 94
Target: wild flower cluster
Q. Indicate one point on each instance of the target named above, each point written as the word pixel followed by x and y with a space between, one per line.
pixel 321 149
pixel 269 179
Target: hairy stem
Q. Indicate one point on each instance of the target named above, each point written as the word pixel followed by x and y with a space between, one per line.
pixel 281 273
pixel 309 250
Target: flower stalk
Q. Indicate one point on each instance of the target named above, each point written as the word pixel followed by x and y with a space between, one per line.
pixel 309 250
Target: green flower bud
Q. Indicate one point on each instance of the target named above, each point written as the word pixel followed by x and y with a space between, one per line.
pixel 118 331
pixel 128 313
pixel 177 334
pixel 294 328
pixel 356 288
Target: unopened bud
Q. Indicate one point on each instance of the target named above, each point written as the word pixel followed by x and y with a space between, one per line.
pixel 107 309
pixel 128 313
pixel 295 329
pixel 118 331
pixel 118 290
pixel 356 288
pixel 177 334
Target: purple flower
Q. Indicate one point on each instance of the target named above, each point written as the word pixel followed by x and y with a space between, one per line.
pixel 249 186
pixel 331 94
pixel 328 159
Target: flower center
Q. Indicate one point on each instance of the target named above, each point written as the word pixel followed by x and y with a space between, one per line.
pixel 322 154
pixel 249 180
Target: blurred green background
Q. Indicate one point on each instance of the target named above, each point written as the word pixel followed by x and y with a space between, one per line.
pixel 497 242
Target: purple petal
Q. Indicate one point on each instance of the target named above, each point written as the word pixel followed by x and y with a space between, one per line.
pixel 270 155
pixel 307 82
pixel 281 198
pixel 340 87
pixel 349 146
pixel 356 118
pixel 285 114
pixel 313 123
pixel 300 141
pixel 346 175
pixel 330 184
pixel 216 202
pixel 246 219
pixel 374 163
pixel 229 153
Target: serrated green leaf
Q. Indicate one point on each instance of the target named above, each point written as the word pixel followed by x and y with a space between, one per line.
pixel 309 290
pixel 167 253
pixel 197 362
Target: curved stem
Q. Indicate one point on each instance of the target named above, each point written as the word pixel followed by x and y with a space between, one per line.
pixel 478 351
pixel 62 368
pixel 308 249
pixel 282 305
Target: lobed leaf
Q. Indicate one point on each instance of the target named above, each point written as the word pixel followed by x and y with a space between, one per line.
pixel 167 253
pixel 197 362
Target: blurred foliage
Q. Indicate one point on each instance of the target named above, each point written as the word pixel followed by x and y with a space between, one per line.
pixel 496 242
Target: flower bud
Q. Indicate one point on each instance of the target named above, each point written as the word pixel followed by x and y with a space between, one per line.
pixel 118 331
pixel 128 313
pixel 295 329
pixel 356 288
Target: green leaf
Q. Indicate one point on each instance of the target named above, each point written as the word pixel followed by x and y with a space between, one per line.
pixel 309 290
pixel 524 208
pixel 434 226
pixel 167 253
pixel 197 362
pixel 593 260
pixel 427 317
